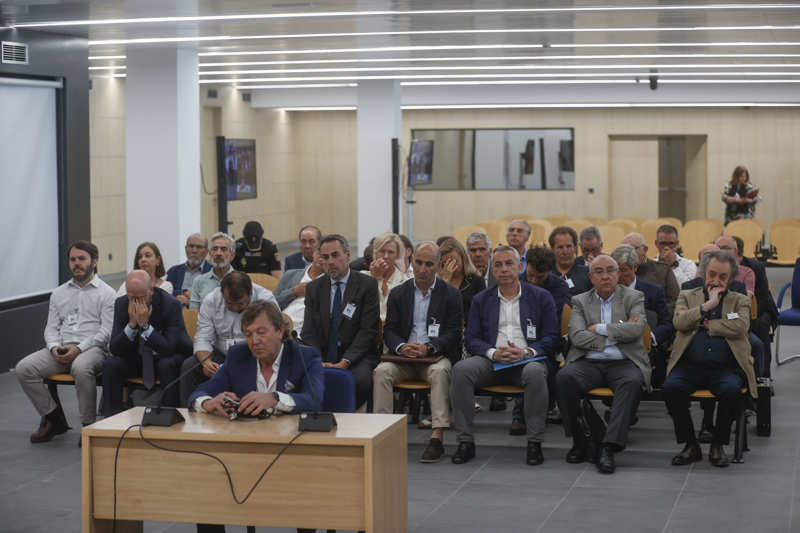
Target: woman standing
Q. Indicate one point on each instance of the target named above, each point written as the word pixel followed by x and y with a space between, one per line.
pixel 739 196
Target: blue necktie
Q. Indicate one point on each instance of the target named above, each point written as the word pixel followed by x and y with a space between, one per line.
pixel 333 334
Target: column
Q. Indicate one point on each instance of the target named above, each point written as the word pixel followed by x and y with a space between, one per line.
pixel 162 149
pixel 378 121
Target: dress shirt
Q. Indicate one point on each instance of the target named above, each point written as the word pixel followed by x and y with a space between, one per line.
pixel 508 326
pixel 285 401
pixel 610 351
pixel 165 286
pixel 343 281
pixel 80 315
pixel 190 275
pixel 419 330
pixel 203 285
pixel 684 270
pixel 297 308
pixel 219 327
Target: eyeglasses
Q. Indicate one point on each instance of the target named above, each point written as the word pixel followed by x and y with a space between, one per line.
pixel 667 244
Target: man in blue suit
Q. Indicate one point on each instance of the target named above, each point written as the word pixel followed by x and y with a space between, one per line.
pixel 183 275
pixel 309 237
pixel 507 325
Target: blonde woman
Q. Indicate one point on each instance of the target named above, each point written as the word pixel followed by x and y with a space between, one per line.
pixel 387 264
pixel 457 269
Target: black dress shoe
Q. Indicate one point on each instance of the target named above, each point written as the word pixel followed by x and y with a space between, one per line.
pixel 433 452
pixel 717 456
pixel 517 427
pixel 51 425
pixel 705 434
pixel 605 462
pixel 689 454
pixel 465 452
pixel 533 455
pixel 576 454
pixel 497 404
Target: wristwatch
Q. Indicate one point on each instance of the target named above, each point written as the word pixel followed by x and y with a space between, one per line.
pixel 277 397
pixel 431 349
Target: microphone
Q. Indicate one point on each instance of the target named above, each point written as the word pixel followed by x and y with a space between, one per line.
pixel 168 416
pixel 316 420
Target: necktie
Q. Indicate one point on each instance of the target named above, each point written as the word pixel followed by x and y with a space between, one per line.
pixel 148 364
pixel 333 334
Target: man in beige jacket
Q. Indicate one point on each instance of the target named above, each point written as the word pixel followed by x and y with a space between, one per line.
pixel 711 350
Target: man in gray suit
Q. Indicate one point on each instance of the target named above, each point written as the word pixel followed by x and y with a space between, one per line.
pixel 291 290
pixel 605 329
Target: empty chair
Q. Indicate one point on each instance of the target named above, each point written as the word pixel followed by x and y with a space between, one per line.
pixel 696 234
pixel 786 240
pixel 577 225
pixel 540 230
pixel 462 232
pixel 597 221
pixel 628 225
pixel 612 236
pixel 557 220
pixel 789 317
pixel 496 230
pixel 749 231
pixel 265 280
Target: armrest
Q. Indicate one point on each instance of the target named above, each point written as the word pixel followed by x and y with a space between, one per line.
pixel 780 294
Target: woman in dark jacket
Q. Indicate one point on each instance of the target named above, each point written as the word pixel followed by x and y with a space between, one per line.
pixel 740 196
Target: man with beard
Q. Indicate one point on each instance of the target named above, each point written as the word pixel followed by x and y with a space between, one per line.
pixel 221 257
pixel 77 332
pixel 182 276
pixel 256 254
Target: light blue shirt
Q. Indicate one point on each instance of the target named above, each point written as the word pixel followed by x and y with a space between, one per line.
pixel 610 351
pixel 419 330
pixel 203 285
pixel 343 281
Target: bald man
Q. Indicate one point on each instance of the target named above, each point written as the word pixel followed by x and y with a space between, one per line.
pixel 147 327
pixel 183 275
pixel 654 271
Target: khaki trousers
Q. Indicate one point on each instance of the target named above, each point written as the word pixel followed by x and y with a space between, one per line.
pixel 437 374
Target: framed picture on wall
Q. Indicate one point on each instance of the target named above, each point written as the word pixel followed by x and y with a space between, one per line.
pixel 240 169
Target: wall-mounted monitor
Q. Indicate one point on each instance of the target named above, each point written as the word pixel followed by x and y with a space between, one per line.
pixel 420 163
pixel 239 163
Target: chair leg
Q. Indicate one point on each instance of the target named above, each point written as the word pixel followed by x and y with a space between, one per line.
pixel 740 436
pixel 415 405
pixel 789 359
pixel 251 529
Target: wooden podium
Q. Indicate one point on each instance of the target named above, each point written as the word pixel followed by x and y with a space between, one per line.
pixel 355 477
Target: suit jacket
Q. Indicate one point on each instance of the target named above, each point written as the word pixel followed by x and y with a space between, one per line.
pixel 558 289
pixel 358 335
pixel 735 285
pixel 289 280
pixel 168 327
pixel 238 375
pixel 176 273
pixel 293 262
pixel 687 321
pixel 445 308
pixel 627 303
pixel 535 305
pixel 661 274
pixel 655 301
pixel 470 286
pixel 767 310
pixel 491 281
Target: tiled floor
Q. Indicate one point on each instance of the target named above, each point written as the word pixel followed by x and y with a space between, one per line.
pixel 40 484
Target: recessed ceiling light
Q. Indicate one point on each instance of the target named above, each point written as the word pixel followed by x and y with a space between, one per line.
pixel 297 86
pixel 113 67
pixel 92 58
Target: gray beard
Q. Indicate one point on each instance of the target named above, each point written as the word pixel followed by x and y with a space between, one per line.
pixel 194 263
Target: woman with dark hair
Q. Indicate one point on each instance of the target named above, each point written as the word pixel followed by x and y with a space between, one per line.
pixel 148 258
pixel 457 269
pixel 740 196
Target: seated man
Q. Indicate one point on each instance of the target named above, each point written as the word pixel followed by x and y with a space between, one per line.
pixel 221 257
pixel 424 319
pixel 76 335
pixel 667 244
pixel 479 248
pixel 289 375
pixel 219 328
pixel 308 237
pixel 654 271
pixel 147 328
pixel 511 333
pixel 182 276
pixel 256 254
pixel 605 329
pixel 591 245
pixel 291 290
pixel 564 242
pixel 655 306
pixel 341 318
pixel 518 232
pixel 711 351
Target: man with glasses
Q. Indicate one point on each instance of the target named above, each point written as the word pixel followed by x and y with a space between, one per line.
pixel 667 243
pixel 591 245
pixel 221 256
pixel 182 276
pixel 654 271
pixel 605 329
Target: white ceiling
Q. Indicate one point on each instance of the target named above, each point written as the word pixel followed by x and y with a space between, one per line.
pixel 557 42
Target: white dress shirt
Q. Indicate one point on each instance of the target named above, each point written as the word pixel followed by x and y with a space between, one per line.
pixel 297 308
pixel 685 270
pixel 508 326
pixel 79 315
pixel 219 327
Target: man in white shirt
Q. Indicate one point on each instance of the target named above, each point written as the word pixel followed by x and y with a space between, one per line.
pixel 667 243
pixel 78 328
pixel 291 290
pixel 219 328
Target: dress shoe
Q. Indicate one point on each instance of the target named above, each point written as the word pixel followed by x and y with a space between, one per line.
pixel 433 452
pixel 606 463
pixel 689 454
pixel 717 455
pixel 705 434
pixel 517 427
pixel 465 452
pixel 533 455
pixel 497 404
pixel 576 454
pixel 51 425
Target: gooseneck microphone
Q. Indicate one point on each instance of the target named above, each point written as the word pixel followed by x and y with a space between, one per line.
pixel 316 420
pixel 168 416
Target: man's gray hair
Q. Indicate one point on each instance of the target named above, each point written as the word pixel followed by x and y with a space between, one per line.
pixel 223 235
pixel 505 248
pixel 625 254
pixel 196 235
pixel 721 256
pixel 429 244
pixel 587 234
pixel 476 236
pixel 521 221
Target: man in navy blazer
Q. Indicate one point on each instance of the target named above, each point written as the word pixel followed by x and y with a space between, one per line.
pixel 270 371
pixel 309 237
pixel 423 319
pixel 148 328
pixel 507 324
pixel 182 276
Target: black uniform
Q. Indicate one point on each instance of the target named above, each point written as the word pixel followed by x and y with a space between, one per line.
pixel 254 253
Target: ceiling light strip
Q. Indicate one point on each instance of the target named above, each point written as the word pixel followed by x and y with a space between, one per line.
pixel 553 106
pixel 100 58
pixel 113 67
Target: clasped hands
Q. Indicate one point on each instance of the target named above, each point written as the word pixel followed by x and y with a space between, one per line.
pixel 251 404
pixel 509 354
pixel 381 268
pixel 66 358
pixel 414 350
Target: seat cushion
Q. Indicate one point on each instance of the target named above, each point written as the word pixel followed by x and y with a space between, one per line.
pixel 789 317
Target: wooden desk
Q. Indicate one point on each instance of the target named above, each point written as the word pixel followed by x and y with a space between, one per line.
pixel 355 477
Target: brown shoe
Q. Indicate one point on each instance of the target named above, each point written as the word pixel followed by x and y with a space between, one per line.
pixel 49 428
pixel 433 453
